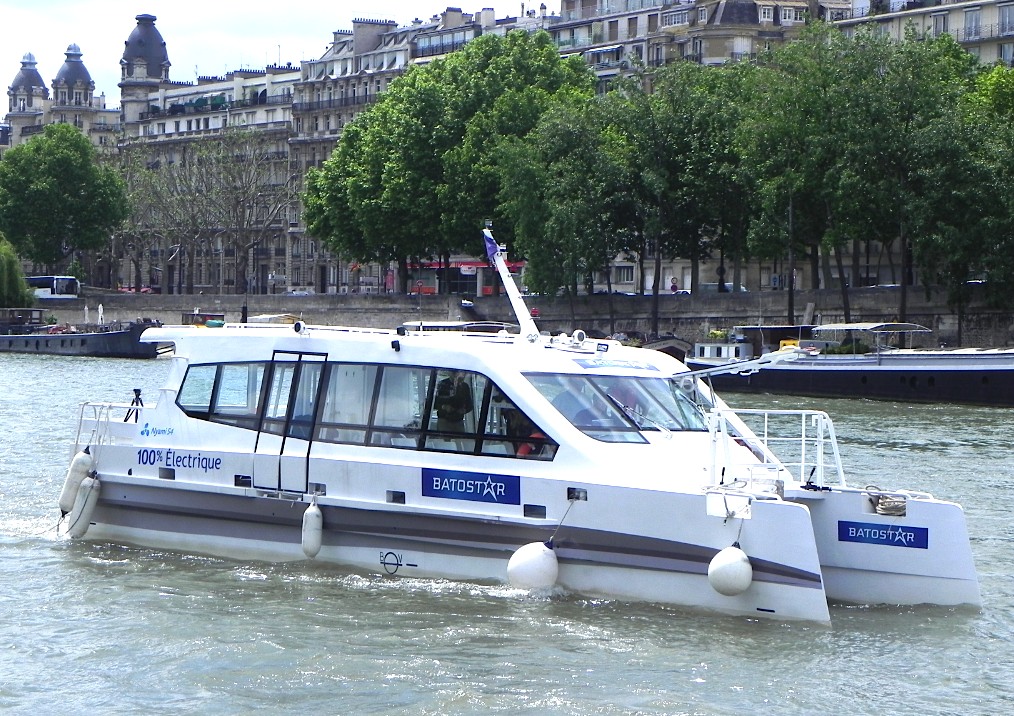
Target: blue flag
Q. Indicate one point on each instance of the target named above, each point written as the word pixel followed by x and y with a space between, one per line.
pixel 491 247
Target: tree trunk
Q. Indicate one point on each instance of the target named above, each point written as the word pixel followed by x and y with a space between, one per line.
pixel 839 262
pixel 905 270
pixel 654 289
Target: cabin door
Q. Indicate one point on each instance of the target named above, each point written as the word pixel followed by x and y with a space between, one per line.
pixel 281 458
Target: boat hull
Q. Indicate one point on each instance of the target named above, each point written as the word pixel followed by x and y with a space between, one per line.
pixel 610 559
pixel 978 380
pixel 106 344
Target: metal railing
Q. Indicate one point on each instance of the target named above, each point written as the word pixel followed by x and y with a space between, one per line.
pixel 799 445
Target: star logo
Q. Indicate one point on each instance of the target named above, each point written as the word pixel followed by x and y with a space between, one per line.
pixel 489 487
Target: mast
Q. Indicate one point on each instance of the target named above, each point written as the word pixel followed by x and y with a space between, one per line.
pixel 495 253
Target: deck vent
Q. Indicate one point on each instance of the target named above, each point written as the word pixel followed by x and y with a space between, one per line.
pixel 316 488
pixel 535 511
pixel 396 497
pixel 242 481
pixel 166 473
pixel 577 494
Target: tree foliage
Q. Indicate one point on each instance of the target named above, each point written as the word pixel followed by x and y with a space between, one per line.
pixel 14 292
pixel 843 151
pixel 224 193
pixel 415 175
pixel 56 198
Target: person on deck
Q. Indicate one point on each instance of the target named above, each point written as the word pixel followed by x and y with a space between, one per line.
pixel 453 402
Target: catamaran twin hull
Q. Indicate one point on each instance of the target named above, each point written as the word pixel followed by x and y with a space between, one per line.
pixel 543 462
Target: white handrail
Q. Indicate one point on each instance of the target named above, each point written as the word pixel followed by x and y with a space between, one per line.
pixel 808 453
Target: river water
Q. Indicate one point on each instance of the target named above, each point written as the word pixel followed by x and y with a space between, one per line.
pixel 118 630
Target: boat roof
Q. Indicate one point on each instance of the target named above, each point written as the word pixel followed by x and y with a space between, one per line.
pixel 874 327
pixel 449 349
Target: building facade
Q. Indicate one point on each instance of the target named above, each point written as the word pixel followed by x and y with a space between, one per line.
pixel 985 29
pixel 69 99
pixel 301 110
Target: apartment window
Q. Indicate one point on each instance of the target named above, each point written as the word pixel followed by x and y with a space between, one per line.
pixel 1005 15
pixel 624 274
pixel 1006 52
pixel 767 13
pixel 177 125
pixel 702 15
pixel 676 17
pixel 973 23
pixel 939 24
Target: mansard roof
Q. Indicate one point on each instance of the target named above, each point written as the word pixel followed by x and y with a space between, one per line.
pixel 145 45
pixel 73 71
pixel 28 78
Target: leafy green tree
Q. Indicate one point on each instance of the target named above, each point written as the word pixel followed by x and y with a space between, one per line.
pixel 56 198
pixel 898 162
pixel 974 231
pixel 14 292
pixel 559 187
pixel 415 174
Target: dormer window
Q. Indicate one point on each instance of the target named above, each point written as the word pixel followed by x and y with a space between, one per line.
pixel 702 15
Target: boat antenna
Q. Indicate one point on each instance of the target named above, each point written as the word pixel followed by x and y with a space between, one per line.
pixel 495 254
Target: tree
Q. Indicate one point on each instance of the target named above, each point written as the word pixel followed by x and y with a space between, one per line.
pixel 415 174
pixel 55 198
pixel 228 193
pixel 559 188
pixel 14 292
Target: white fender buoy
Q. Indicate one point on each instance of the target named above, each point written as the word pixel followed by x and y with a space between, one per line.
pixel 78 470
pixel 730 572
pixel 533 566
pixel 313 529
pixel 84 506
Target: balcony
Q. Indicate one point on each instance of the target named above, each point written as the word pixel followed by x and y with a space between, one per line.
pixel 334 103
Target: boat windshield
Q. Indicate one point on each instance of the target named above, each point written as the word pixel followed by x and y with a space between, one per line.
pixel 619 408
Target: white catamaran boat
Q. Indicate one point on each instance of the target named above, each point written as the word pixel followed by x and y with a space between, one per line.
pixel 545 462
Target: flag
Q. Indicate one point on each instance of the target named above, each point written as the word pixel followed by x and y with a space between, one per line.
pixel 491 248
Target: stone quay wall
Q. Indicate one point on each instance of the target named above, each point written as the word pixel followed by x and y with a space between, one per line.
pixel 687 317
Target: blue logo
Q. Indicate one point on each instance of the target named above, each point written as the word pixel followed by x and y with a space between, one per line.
pixel 890 535
pixel 148 431
pixel 477 487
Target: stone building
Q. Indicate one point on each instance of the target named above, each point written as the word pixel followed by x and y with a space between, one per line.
pixel 70 98
pixel 301 110
pixel 984 28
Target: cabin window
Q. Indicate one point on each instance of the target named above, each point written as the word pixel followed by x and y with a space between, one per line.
pixel 348 400
pixel 390 406
pixel 237 401
pixel 304 402
pixel 227 393
pixel 401 403
pixel 279 392
pixel 619 408
pixel 195 394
